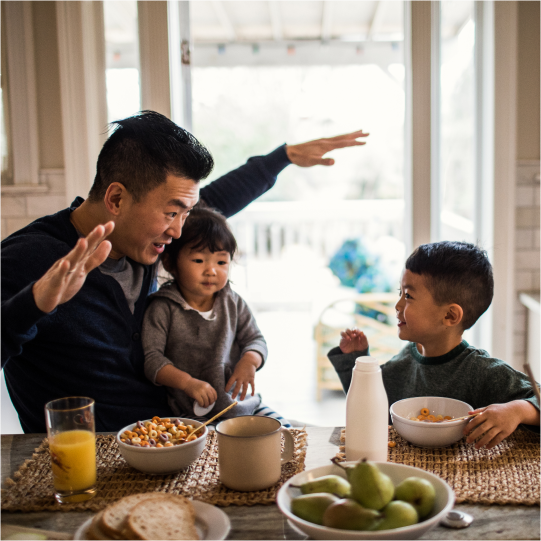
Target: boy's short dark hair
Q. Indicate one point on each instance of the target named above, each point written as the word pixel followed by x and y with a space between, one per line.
pixel 204 228
pixel 456 272
pixel 143 150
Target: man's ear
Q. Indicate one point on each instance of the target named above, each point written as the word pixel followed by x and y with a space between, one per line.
pixel 454 315
pixel 115 196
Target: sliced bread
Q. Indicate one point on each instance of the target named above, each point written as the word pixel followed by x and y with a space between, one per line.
pixel 168 517
pixel 114 516
pixel 95 531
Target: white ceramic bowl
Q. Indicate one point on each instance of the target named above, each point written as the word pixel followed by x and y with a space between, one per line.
pixel 425 434
pixel 164 460
pixel 445 499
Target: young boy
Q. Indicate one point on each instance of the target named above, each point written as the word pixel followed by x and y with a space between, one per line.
pixel 445 287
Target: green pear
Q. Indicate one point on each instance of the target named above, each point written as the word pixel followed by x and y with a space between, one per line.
pixel 418 492
pixel 397 514
pixel 311 507
pixel 347 514
pixel 333 484
pixel 369 487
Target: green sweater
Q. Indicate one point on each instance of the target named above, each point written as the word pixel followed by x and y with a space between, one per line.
pixel 465 373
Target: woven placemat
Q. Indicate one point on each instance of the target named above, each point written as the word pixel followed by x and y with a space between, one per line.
pixel 507 474
pixel 31 489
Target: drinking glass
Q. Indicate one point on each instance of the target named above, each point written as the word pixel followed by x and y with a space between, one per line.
pixel 72 444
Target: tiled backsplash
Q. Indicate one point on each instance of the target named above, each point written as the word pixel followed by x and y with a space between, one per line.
pixel 527 254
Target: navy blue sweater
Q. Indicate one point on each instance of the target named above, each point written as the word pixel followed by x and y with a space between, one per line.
pixel 91 345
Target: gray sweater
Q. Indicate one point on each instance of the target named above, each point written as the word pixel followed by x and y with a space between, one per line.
pixel 207 348
pixel 465 373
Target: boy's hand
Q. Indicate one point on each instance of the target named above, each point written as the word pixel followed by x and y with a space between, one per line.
pixel 498 421
pixel 353 340
pixel 203 392
pixel 244 375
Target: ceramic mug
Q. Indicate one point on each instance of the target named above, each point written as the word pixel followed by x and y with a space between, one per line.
pixel 249 452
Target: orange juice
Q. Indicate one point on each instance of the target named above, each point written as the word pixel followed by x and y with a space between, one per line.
pixel 73 458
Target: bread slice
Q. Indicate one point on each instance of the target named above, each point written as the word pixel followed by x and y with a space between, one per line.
pixel 95 531
pixel 168 517
pixel 114 516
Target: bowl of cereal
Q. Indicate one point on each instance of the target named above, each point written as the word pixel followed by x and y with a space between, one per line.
pixel 428 421
pixel 161 446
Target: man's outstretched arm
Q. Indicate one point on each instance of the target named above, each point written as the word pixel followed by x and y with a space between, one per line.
pixel 238 188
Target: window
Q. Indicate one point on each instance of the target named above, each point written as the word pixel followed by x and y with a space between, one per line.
pixel 122 59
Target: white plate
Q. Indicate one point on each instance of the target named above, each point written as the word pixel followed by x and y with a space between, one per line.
pixel 211 523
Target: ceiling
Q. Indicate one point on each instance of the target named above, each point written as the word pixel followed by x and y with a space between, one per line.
pixel 274 26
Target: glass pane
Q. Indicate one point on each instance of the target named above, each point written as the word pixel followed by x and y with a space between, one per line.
pixel 269 78
pixel 122 59
pixel 457 117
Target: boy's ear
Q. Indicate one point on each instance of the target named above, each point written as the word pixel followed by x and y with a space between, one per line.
pixel 454 315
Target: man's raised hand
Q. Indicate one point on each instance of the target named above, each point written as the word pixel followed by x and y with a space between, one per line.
pixel 312 152
pixel 66 277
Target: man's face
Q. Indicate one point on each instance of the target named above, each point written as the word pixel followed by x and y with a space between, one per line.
pixel 420 319
pixel 143 228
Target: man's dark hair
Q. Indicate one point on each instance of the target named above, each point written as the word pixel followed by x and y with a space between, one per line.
pixel 456 272
pixel 143 150
pixel 204 228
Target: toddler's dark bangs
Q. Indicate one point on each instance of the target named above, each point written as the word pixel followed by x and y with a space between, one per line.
pixel 215 237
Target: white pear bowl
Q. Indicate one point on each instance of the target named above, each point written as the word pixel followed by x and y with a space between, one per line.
pixel 445 499
pixel 425 434
pixel 163 460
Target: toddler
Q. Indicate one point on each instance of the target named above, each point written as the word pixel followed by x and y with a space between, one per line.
pixel 199 336
pixel 444 289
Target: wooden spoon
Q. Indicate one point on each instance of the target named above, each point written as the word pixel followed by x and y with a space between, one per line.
pixel 463 418
pixel 215 417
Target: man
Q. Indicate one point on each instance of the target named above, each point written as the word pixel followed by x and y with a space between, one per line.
pixel 73 302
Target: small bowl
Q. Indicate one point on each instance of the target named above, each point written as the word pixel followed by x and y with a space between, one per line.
pixel 425 434
pixel 445 499
pixel 164 460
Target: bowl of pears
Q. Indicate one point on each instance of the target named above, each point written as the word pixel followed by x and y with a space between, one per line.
pixel 365 500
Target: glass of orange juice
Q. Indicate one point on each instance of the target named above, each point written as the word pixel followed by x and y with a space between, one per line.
pixel 72 444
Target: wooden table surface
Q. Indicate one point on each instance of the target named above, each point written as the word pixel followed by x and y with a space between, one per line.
pixel 266 521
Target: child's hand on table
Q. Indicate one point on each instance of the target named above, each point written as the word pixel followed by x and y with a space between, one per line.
pixel 497 421
pixel 244 375
pixel 203 392
pixel 353 340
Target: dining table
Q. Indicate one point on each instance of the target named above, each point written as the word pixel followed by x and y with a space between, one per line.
pixel 266 521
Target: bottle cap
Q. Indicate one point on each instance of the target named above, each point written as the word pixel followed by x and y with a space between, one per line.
pixel 367 364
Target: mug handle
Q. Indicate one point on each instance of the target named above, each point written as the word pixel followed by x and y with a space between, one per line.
pixel 287 453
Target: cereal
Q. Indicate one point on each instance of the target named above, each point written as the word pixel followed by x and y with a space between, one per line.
pixel 427 417
pixel 392 444
pixel 159 433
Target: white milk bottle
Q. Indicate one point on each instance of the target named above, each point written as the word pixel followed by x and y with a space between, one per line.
pixel 367 411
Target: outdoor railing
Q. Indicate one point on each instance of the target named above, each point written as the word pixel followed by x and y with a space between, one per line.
pixel 264 229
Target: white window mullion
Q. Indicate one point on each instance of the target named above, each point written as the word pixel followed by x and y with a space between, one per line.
pixel 180 51
pixel 418 189
pixel 484 142
pixel 22 92
pixel 436 199
pixel 154 56
pixel 82 84
pixel 505 91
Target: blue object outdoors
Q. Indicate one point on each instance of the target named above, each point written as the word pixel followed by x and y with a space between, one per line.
pixel 357 266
